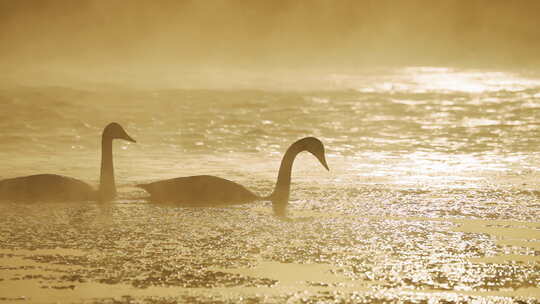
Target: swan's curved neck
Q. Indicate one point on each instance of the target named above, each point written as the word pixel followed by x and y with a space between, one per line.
pixel 107 187
pixel 280 196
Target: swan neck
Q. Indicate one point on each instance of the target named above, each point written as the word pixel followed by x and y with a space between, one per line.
pixel 280 196
pixel 107 187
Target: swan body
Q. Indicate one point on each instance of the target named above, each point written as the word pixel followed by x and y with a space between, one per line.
pixel 200 190
pixel 206 190
pixel 52 187
pixel 46 187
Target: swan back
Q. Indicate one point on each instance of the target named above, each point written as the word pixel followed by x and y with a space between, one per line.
pixel 199 190
pixel 46 187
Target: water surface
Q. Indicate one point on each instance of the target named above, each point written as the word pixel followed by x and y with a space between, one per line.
pixel 432 193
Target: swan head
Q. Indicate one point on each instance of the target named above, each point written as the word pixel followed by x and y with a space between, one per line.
pixel 115 131
pixel 315 147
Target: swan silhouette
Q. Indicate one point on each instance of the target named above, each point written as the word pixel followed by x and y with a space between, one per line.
pixel 207 191
pixel 52 187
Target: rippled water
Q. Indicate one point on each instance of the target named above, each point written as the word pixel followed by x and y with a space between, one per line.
pixel 432 193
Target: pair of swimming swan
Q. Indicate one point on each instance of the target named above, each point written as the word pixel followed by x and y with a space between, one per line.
pixel 201 190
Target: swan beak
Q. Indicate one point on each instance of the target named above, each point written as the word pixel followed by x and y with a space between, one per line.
pixel 323 162
pixel 128 138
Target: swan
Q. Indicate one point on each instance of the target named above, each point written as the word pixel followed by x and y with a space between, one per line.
pixel 52 187
pixel 206 190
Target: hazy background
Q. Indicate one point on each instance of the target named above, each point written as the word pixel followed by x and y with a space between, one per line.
pixel 122 37
pixel 429 112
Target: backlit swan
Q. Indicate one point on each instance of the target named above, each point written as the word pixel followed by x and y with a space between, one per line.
pixel 52 187
pixel 205 190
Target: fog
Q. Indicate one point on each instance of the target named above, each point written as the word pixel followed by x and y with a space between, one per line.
pixel 268 34
pixel 147 151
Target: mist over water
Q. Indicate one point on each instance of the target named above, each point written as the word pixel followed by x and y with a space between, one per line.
pixel 428 111
pixel 446 119
pixel 433 174
pixel 267 34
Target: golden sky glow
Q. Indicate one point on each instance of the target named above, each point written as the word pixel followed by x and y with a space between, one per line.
pixel 270 33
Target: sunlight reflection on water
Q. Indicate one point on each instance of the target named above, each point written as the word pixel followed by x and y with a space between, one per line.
pixel 431 195
pixel 437 79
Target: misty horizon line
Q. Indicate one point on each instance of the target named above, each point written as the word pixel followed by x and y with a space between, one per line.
pixel 408 79
pixel 264 34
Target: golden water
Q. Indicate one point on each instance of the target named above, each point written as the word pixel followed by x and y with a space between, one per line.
pixel 432 193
